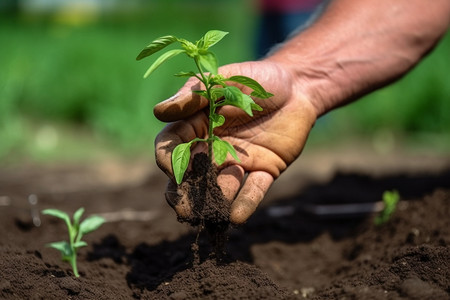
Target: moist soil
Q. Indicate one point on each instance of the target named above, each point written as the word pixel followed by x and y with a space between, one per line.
pixel 210 211
pixel 291 248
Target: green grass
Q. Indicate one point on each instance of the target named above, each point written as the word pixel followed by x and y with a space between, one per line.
pixel 83 81
pixel 87 75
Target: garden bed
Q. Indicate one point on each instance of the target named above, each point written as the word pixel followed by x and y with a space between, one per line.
pixel 291 248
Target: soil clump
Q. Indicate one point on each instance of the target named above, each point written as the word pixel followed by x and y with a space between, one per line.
pixel 210 209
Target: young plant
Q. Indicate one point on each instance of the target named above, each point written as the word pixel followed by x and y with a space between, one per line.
pixel 390 201
pixel 217 91
pixel 76 231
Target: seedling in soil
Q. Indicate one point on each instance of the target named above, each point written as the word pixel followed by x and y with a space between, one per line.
pixel 390 201
pixel 217 91
pixel 76 231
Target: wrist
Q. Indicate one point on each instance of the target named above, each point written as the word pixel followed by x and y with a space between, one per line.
pixel 310 78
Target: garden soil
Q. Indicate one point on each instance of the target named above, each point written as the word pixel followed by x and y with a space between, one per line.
pixel 311 238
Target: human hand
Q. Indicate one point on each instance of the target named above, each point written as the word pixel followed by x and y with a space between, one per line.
pixel 266 143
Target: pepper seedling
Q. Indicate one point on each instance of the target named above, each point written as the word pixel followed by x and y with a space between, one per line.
pixel 76 231
pixel 390 201
pixel 217 91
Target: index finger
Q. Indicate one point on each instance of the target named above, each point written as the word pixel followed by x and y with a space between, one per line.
pixel 174 134
pixel 183 104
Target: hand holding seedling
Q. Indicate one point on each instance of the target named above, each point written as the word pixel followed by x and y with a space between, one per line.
pixel 258 134
pixel 266 143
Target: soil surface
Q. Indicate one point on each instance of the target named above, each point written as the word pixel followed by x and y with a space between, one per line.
pixel 305 241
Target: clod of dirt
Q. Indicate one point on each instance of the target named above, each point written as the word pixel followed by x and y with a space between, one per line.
pixel 210 209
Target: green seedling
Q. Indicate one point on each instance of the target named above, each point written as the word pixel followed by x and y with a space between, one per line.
pixel 217 91
pixel 76 231
pixel 390 201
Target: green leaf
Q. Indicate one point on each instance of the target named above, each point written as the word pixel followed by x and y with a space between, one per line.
pixel 211 38
pixel 256 107
pixel 180 160
pixel 209 61
pixel 62 247
pixel 235 97
pixel 169 54
pixel 261 95
pixel 221 148
pixel 217 93
pixel 390 200
pixel 191 49
pixel 185 74
pixel 56 213
pixel 156 45
pixel 201 93
pixel 220 151
pixel 90 224
pixel 217 80
pixel 77 216
pixel 59 214
pixel 217 120
pixel 258 90
pixel 232 151
pixel 80 244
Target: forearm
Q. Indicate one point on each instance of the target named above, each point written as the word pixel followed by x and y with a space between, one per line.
pixel 356 47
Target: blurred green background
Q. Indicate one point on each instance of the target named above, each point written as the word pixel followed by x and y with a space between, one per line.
pixel 70 88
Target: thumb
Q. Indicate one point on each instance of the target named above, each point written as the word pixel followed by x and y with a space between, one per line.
pixel 181 105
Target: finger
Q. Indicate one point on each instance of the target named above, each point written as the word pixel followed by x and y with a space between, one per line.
pixel 174 134
pixel 165 142
pixel 171 194
pixel 183 104
pixel 230 180
pixel 251 194
pixel 178 200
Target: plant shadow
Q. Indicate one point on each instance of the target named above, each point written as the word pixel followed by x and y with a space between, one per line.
pixel 151 265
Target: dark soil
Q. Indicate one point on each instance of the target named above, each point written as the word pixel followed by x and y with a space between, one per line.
pixel 210 209
pixel 283 252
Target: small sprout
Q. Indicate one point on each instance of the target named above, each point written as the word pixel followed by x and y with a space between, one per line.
pixel 390 201
pixel 76 231
pixel 217 91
